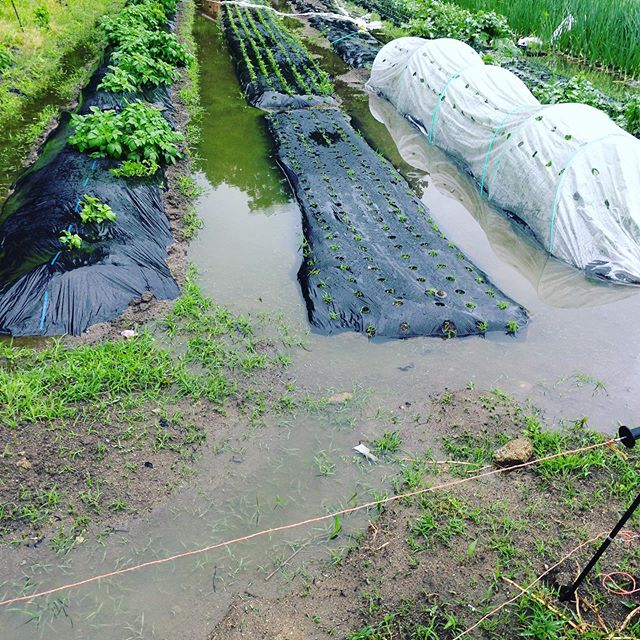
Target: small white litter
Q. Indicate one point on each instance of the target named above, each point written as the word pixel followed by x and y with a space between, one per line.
pixel 364 451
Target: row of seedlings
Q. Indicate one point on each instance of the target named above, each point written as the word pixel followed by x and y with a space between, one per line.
pixel 273 65
pixel 372 255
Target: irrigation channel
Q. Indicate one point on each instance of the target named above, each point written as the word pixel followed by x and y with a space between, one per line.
pixel 578 356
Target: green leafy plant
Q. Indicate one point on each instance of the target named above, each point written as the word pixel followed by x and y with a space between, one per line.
pixel 136 16
pixel 436 19
pixel 95 211
pixel 135 169
pixel 6 57
pixel 631 116
pixel 137 133
pixel 41 17
pixel 136 70
pixel 70 240
pixel 512 327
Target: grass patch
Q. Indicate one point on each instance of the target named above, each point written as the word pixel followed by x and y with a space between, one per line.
pixel 605 31
pixel 431 566
pixel 93 431
pixel 43 66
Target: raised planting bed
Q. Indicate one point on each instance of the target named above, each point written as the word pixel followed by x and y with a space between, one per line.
pixel 398 12
pixel 374 260
pixel 84 232
pixel 273 66
pixel 356 48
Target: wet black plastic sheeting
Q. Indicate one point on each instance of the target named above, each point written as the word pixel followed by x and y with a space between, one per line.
pixel 247 35
pixel 374 260
pixel 48 290
pixel 396 11
pixel 356 48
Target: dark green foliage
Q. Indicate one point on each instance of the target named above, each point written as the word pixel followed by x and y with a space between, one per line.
pixel 144 55
pixel 435 19
pixel 576 89
pixel 136 70
pixel 6 57
pixel 138 132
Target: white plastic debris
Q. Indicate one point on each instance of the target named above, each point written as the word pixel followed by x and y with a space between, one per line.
pixel 128 333
pixel 530 41
pixel 364 451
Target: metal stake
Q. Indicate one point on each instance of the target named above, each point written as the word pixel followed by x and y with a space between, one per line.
pixel 628 438
pixel 17 16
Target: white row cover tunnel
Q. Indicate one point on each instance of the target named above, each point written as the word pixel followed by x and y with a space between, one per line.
pixel 567 170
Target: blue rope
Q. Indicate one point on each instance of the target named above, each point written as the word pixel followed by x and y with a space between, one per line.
pixel 45 304
pixel 563 173
pixel 349 35
pixel 493 139
pixel 434 115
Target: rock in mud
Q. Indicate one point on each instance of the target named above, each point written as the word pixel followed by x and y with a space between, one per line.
pixel 516 451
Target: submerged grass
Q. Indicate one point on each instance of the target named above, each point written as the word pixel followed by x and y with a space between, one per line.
pixel 79 421
pixel 604 31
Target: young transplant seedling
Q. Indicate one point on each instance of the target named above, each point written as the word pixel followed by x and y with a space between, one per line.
pixel 95 211
pixel 70 240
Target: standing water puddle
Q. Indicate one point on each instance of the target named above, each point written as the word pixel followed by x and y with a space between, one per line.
pixel 578 357
pixel 248 259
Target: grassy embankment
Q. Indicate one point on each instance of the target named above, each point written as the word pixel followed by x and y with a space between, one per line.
pixel 491 539
pixel 43 65
pixel 434 565
pixel 605 32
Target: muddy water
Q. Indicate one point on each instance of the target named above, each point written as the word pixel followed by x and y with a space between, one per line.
pixel 579 357
pixel 278 475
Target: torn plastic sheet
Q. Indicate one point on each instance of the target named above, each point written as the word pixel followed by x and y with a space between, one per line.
pixel 46 289
pixel 374 260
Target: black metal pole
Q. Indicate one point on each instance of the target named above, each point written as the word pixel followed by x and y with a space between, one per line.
pixel 17 16
pixel 567 592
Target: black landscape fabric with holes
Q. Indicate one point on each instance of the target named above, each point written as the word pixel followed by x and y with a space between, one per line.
pixel 356 48
pixel 375 261
pixel 97 282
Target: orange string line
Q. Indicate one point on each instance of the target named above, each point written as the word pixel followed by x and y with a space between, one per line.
pixel 294 525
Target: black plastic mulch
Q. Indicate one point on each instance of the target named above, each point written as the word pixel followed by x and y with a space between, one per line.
pixel 46 289
pixel 254 35
pixel 356 48
pixel 396 11
pixel 374 261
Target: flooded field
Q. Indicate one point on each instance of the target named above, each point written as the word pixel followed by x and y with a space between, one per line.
pixel 576 358
pixel 579 357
